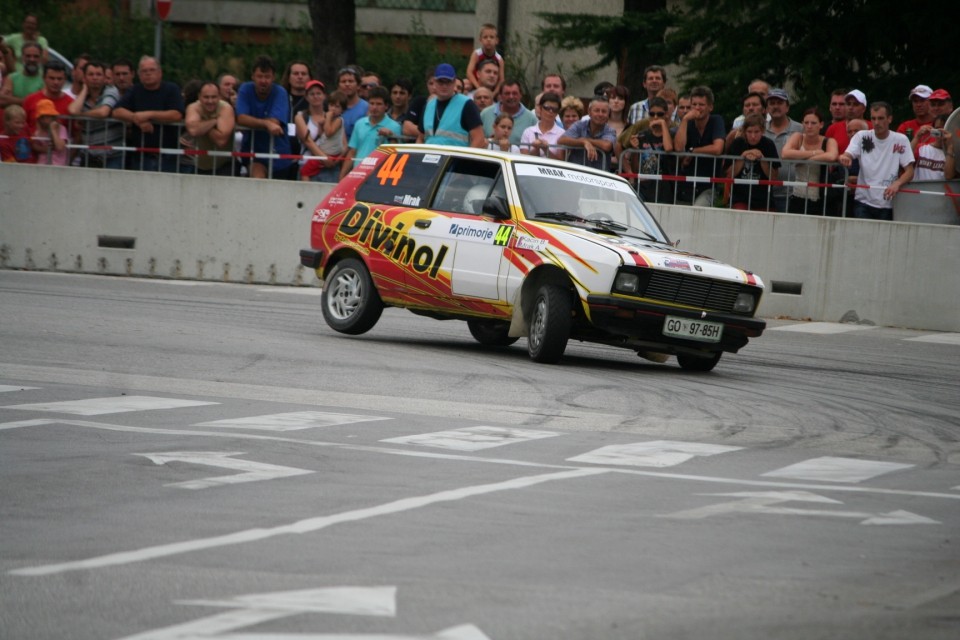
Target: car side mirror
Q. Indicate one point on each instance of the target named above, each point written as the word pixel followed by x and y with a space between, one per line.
pixel 496 206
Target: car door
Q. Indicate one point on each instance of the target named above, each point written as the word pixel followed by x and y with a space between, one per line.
pixel 478 269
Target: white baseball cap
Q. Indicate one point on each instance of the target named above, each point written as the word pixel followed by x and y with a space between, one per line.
pixel 922 91
pixel 858 96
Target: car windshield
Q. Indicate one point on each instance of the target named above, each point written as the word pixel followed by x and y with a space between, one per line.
pixel 572 196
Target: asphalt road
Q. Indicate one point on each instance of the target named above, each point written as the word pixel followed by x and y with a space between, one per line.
pixel 187 460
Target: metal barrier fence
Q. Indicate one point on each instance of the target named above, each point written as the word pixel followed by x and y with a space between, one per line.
pixel 803 187
pixel 813 188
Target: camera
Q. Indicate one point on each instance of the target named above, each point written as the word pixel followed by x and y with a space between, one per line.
pixel 936 133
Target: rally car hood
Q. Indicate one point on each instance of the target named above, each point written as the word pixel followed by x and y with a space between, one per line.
pixel 647 253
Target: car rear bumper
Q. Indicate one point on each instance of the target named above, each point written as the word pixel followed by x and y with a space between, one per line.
pixel 311 258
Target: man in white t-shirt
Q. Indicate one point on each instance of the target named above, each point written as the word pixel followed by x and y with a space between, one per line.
pixel 886 164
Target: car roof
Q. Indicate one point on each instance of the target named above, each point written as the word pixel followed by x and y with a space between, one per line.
pixel 500 155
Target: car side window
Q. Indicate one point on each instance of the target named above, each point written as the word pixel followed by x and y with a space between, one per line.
pixel 403 179
pixel 466 184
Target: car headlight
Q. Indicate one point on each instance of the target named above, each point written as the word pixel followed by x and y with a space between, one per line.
pixel 627 282
pixel 744 303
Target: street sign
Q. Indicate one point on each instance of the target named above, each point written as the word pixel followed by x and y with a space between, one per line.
pixel 163 8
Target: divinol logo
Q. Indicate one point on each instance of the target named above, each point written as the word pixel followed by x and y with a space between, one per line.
pixel 365 227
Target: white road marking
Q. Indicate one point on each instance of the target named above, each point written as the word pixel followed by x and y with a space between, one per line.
pixel 498 461
pixel 514 415
pixel 937 338
pixel 656 453
pixel 472 438
pixel 10 387
pixel 102 406
pixel 308 525
pixel 257 608
pixel 292 421
pixel 822 328
pixel 310 291
pixel 831 469
pixel 763 501
pixel 252 471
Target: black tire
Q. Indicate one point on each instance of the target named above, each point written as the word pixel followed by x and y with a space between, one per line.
pixel 550 323
pixel 698 363
pixel 350 302
pixel 491 333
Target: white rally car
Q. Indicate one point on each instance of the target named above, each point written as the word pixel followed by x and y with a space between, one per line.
pixel 520 246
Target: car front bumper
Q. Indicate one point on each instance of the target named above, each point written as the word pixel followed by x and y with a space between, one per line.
pixel 643 321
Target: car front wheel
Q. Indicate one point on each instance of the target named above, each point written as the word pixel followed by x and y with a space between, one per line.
pixel 350 302
pixel 550 324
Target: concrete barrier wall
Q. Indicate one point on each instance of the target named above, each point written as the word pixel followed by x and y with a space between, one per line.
pixel 242 230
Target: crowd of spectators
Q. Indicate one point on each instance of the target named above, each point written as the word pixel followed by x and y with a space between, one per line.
pixel 120 117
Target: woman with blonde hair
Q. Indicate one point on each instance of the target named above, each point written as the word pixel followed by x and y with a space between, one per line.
pixel 571 110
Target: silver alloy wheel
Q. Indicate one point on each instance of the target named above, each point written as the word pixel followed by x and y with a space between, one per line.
pixel 538 326
pixel 345 294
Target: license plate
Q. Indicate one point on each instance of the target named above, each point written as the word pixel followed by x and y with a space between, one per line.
pixel 700 330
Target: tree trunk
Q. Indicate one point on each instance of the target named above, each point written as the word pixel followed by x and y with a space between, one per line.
pixel 334 44
pixel 631 69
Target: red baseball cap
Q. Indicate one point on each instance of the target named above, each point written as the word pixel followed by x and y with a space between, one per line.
pixel 940 94
pixel 315 83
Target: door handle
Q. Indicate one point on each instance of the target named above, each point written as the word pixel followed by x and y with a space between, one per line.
pixel 421 224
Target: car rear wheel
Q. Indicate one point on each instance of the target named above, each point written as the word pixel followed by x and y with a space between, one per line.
pixel 350 302
pixel 492 333
pixel 550 324
pixel 690 362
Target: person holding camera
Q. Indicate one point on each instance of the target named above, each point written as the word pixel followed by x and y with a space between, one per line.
pixel 933 147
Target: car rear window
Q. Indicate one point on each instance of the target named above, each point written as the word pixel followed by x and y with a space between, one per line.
pixel 403 178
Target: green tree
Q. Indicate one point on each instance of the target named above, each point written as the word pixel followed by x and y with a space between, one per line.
pixel 632 41
pixel 812 48
pixel 809 48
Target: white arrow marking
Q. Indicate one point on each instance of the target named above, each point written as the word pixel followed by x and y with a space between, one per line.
pixel 258 608
pixel 473 438
pixel 657 453
pixel 253 471
pixel 101 406
pixel 762 501
pixel 291 421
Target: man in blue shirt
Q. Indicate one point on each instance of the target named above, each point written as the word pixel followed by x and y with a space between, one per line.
pixel 371 131
pixel 348 82
pixel 263 106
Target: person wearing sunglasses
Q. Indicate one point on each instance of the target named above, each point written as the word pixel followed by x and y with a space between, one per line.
pixel 646 148
pixel 542 138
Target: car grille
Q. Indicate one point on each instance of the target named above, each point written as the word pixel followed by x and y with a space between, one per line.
pixel 703 293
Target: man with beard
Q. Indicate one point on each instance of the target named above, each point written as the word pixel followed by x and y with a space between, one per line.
pixel 263 105
pixel 294 80
pixel 29 32
pixel 19 84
